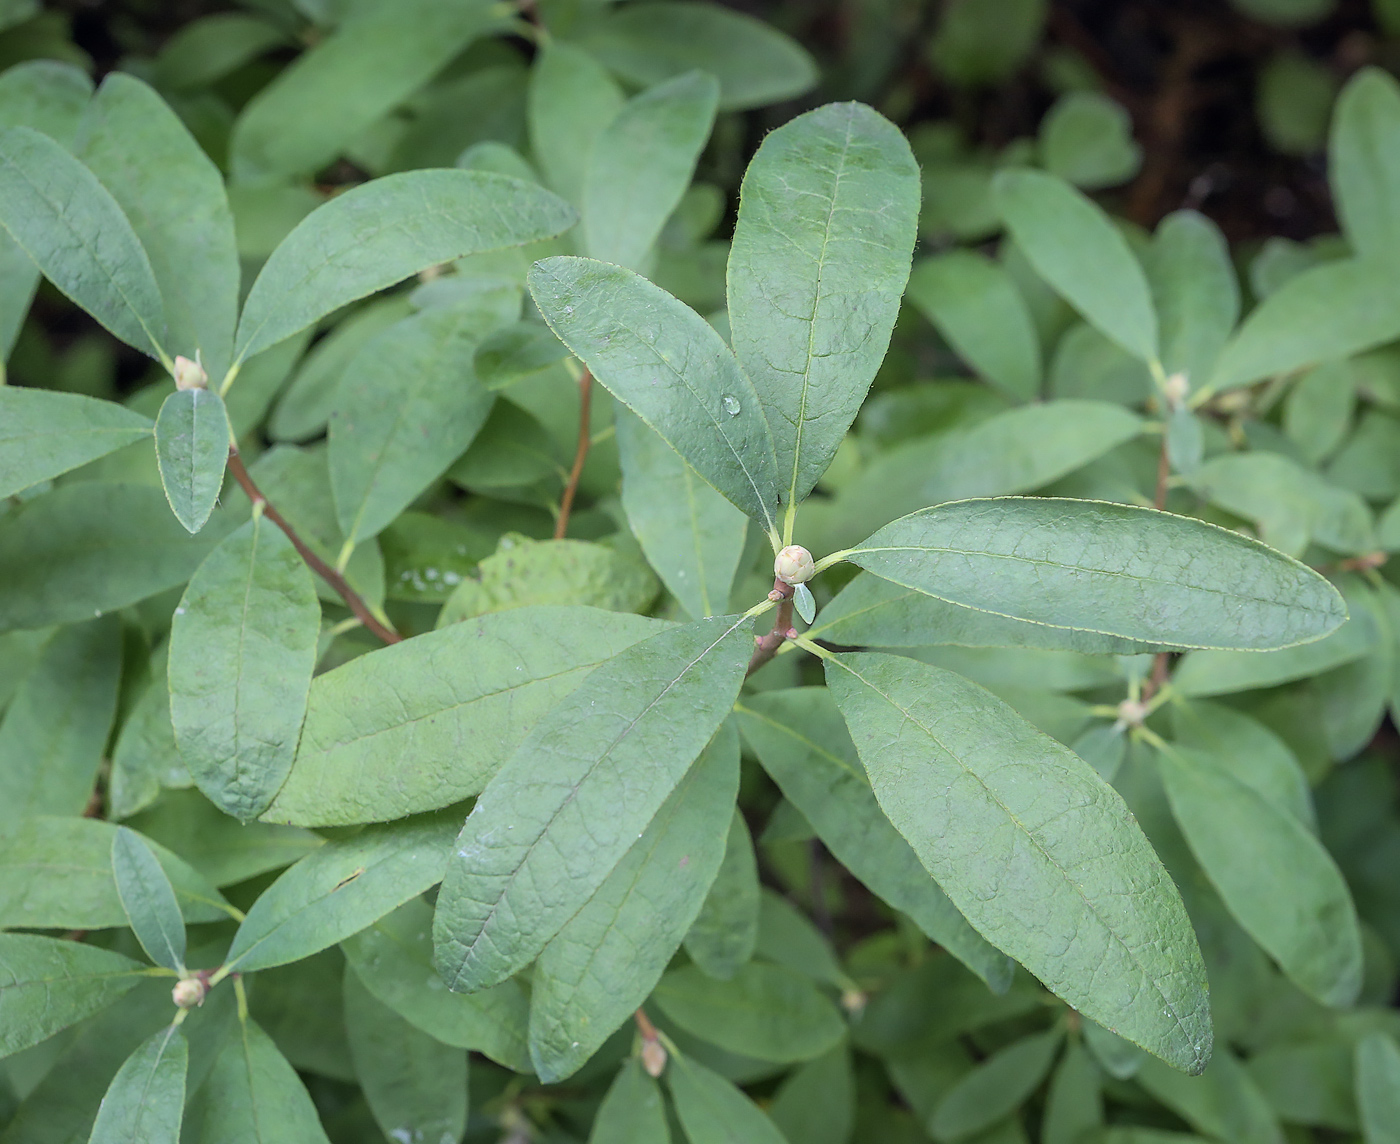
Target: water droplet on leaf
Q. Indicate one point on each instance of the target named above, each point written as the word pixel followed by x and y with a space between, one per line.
pixel 731 404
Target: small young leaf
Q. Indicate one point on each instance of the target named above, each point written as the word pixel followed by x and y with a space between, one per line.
pixel 607 959
pixel 988 803
pixel 804 746
pixel 1378 1088
pixel 1073 246
pixel 714 1111
pixel 192 443
pixel 44 433
pixel 669 366
pixel 415 1085
pixel 145 1102
pixel 1086 138
pixel 1363 171
pixel 381 232
pixel 995 1088
pixel 148 899
pixel 1278 881
pixel 73 228
pixel 725 932
pixel 975 304
pixel 47 984
pixel 632 1112
pixel 827 220
pixel 536 847
pixel 1113 569
pixel 804 603
pixel 242 649
pixel 457 702
pixel 642 163
pixel 339 889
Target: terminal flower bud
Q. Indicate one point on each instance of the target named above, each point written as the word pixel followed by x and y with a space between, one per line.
pixel 794 565
pixel 189 992
pixel 189 374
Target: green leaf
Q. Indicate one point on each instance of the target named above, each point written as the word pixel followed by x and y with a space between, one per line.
pixel 632 1112
pixel 1275 877
pixel 978 44
pixel 339 889
pixel 148 899
pixel 457 702
pixel 56 873
pixel 1073 246
pixel 712 1110
pixel 408 406
pixel 253 1094
pixel 210 47
pixel 415 1085
pixel 787 937
pixel 73 228
pixel 642 163
pixel 44 433
pixel 609 956
pixel 377 57
pixel 816 1103
pixel 145 1102
pixel 534 850
pixel 242 649
pixel 393 958
pixel 381 232
pixel 1223 1103
pixel 1033 847
pixel 46 95
pixel 1074 1104
pixel 803 744
pixel 995 1088
pixel 54 730
pixel 690 534
pixel 91 547
pixel 1329 311
pixel 1363 171
pixel 1195 291
pixel 145 759
pixel 47 984
pixel 763 1011
pixel 828 215
pixel 572 99
pixel 192 443
pixel 173 195
pixel 1113 569
pixel 669 366
pixel 725 931
pixel 975 304
pixel 754 63
pixel 1378 1088
pixel 1086 138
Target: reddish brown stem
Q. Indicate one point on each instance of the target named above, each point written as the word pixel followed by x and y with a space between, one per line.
pixel 585 436
pixel 766 647
pixel 644 1026
pixel 315 563
pixel 1162 663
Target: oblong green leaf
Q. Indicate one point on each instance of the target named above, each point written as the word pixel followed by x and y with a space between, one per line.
pixel 642 163
pixel 763 1011
pixel 56 873
pixel 173 194
pixel 92 547
pixel 725 931
pixel 1223 1102
pixel 415 1085
pixel 975 305
pixel 1378 1088
pixel 192 443
pixel 383 231
pixel 668 365
pixel 394 959
pixel 1195 291
pixel 1276 878
pixel 408 406
pixel 571 101
pixel 1074 1103
pixel 537 846
pixel 714 1111
pixel 995 1088
pixel 1073 246
pixel 47 984
pixel 828 214
pixel 242 649
pixel 1115 569
pixel 76 233
pixel 632 1112
pixel 339 889
pixel 1037 851
pixel 148 899
pixel 608 957
pixel 1363 171
pixel 804 746
pixel 145 1103
pixel 457 702
pixel 44 433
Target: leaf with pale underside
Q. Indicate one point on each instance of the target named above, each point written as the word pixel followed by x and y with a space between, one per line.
pixel 192 442
pixel 148 899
